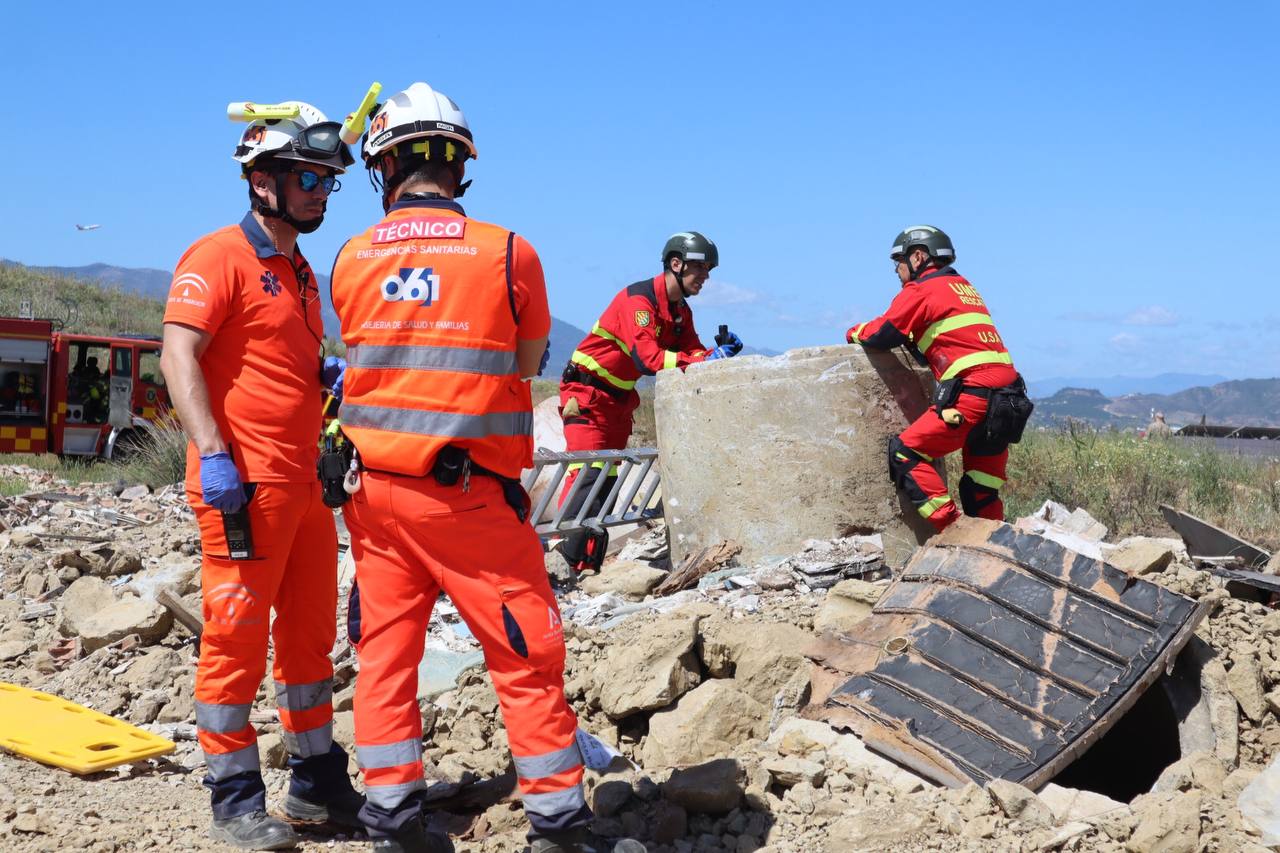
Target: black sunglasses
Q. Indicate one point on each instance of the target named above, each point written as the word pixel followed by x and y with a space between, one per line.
pixel 309 180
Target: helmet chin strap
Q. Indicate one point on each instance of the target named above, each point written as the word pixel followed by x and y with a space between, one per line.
pixel 680 280
pixel 303 226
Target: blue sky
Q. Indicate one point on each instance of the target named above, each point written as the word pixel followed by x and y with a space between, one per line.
pixel 1107 170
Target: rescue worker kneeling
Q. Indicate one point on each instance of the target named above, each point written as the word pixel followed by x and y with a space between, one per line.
pixel 443 316
pixel 980 403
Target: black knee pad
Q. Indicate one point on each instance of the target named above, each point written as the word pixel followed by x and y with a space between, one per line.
pixel 902 460
pixel 974 497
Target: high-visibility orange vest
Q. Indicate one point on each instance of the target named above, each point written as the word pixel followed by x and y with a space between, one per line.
pixel 428 316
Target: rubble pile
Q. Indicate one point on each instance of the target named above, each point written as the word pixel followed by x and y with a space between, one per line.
pixel 702 691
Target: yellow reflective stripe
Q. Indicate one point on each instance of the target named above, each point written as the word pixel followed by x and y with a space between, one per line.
pixel 976 358
pixel 950 324
pixel 591 364
pixel 926 457
pixel 857 333
pixel 669 359
pixel 597 329
pixel 984 479
pixel 574 466
pixel 929 507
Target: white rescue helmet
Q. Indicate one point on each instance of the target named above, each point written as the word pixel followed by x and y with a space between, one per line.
pixel 419 111
pixel 308 137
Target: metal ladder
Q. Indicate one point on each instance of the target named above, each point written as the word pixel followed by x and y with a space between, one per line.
pixel 620 506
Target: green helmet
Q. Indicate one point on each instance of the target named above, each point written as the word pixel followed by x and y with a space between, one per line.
pixel 932 240
pixel 690 246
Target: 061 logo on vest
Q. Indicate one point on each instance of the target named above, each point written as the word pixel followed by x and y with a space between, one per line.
pixel 413 284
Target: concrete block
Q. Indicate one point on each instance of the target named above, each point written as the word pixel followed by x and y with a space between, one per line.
pixel 772 452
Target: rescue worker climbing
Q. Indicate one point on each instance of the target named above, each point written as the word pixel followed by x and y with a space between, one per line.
pixel 646 328
pixel 444 316
pixel 242 326
pixel 980 403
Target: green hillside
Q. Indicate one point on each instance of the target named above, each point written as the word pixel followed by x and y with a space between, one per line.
pixel 82 306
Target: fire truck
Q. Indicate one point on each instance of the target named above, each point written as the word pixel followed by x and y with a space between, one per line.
pixel 76 395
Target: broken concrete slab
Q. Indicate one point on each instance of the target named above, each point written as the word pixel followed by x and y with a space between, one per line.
pixel 1167 823
pixel 130 615
pixel 1199 770
pixel 1208 540
pixel 1259 803
pixel 1072 804
pixel 652 673
pixel 847 604
pixel 761 658
pixel 708 722
pixel 82 600
pixel 828 411
pixel 631 580
pixel 1019 803
pixel 999 654
pixel 1244 680
pixel 1142 555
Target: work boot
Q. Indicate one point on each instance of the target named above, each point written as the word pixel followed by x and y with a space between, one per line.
pixel 415 837
pixel 583 841
pixel 254 831
pixel 343 810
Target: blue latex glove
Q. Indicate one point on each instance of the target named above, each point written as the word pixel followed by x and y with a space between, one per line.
pixel 734 344
pixel 220 484
pixel 722 351
pixel 546 356
pixel 332 375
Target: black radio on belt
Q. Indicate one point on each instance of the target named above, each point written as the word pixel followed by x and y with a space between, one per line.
pixel 331 467
pixel 235 526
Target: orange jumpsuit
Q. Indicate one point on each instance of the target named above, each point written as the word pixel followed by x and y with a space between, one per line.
pixel 262 311
pixel 432 304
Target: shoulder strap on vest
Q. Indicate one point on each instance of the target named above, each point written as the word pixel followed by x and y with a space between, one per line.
pixel 511 294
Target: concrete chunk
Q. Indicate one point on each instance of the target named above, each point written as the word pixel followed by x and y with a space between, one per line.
pixel 652 673
pixel 710 721
pixel 771 452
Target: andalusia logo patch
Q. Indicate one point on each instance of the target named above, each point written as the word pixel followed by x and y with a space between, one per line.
pixel 643 318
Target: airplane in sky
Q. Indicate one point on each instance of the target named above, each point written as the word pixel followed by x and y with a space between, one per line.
pixel 80 227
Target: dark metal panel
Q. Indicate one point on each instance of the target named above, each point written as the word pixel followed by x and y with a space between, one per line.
pixel 1001 654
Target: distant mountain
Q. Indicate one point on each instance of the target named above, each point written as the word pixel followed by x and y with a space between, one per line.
pixel 155 284
pixel 1118 386
pixel 1240 402
pixel 1079 404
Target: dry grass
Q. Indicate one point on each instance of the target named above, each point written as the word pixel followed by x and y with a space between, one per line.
pixel 160 456
pixel 1122 480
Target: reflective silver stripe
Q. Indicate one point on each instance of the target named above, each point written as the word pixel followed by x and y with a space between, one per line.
pixel 390 796
pixel 311 742
pixel 300 697
pixel 389 754
pixel 224 765
pixel 458 359
pixel 222 719
pixel 449 424
pixel 549 763
pixel 555 803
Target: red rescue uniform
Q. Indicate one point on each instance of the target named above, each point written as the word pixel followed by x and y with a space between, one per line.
pixel 641 332
pixel 432 305
pixel 941 317
pixel 262 312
